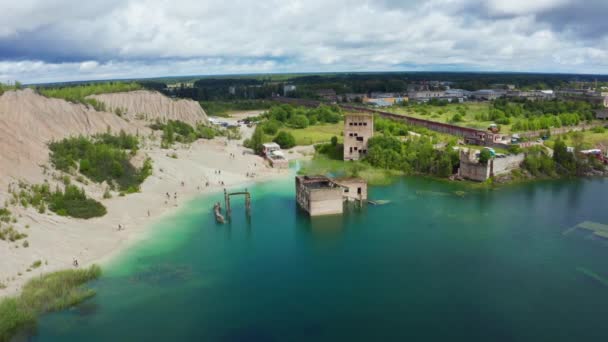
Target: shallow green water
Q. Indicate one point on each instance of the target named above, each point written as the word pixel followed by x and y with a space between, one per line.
pixel 429 266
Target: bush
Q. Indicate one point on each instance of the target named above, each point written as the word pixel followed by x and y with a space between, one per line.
pixel 101 158
pixel 271 127
pixel 299 121
pixel 285 140
pixel 485 156
pixel 71 202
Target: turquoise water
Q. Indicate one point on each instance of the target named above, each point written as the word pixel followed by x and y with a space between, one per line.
pixel 432 265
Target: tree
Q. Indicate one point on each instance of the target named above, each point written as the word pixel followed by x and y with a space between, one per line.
pixel 299 121
pixel 334 140
pixel 485 156
pixel 285 140
pixel 256 141
pixel 563 158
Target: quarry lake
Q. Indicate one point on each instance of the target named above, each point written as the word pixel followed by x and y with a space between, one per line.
pixel 439 262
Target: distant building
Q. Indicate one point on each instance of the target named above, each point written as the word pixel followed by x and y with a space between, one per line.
pixel 532 95
pixel 232 90
pixel 425 95
pixel 328 95
pixel 488 94
pixel 384 101
pixel 583 95
pixel 288 89
pixel 320 195
pixel 601 114
pixel 353 97
pixel 358 129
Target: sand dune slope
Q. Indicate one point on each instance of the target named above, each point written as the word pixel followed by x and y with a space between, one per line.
pixel 150 105
pixel 28 121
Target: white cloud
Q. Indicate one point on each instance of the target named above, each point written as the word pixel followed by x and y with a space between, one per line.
pixel 44 41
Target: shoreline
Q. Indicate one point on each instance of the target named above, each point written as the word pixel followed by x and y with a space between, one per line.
pixel 56 241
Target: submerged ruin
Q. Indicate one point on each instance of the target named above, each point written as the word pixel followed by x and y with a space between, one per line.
pixel 321 195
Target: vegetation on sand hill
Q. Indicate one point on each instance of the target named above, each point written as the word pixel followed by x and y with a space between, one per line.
pixel 71 201
pixel 102 158
pixel 79 93
pixel 181 132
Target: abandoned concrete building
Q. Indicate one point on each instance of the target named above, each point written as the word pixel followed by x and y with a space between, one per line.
pixel 320 195
pixel 472 169
pixel 274 155
pixel 358 129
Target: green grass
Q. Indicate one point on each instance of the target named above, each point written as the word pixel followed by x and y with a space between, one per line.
pixel 444 114
pixel 317 133
pixel 47 293
pixel 78 93
pixel 322 165
pixel 590 139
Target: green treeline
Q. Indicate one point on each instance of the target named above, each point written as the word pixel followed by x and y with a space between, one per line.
pixel 413 156
pixel 537 115
pixel 563 163
pixel 175 131
pixel 71 201
pixel 78 93
pixel 6 87
pixel 103 157
pixel 299 117
pixel 51 292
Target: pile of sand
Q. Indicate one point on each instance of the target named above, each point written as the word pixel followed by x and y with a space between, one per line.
pixel 29 121
pixel 150 105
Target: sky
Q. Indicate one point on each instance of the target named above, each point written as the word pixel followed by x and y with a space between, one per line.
pixel 66 40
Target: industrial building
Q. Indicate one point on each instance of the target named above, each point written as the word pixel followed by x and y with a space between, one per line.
pixel 358 129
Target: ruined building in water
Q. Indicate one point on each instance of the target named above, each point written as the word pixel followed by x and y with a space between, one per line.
pixel 358 129
pixel 472 169
pixel 320 195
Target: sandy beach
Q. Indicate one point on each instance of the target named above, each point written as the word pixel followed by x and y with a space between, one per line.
pixel 182 173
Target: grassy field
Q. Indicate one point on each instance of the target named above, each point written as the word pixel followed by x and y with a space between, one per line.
pixel 590 139
pixel 446 113
pixel 50 292
pixel 317 133
pixel 322 165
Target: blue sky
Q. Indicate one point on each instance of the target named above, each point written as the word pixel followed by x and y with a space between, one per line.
pixel 66 40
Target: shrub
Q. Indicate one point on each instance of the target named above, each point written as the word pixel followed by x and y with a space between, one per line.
pixel 299 121
pixel 285 140
pixel 101 158
pixel 485 156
